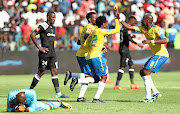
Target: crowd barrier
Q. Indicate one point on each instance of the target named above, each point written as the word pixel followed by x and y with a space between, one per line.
pixel 27 62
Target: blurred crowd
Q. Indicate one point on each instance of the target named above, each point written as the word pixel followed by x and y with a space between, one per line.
pixel 18 18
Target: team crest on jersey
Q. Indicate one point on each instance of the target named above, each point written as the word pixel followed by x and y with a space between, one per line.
pixel 90 30
pixel 37 29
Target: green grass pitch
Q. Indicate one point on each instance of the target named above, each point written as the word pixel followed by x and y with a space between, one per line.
pixel 122 102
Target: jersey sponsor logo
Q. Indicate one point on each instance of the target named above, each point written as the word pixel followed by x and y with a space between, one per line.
pixel 50 34
pixel 37 29
pixel 90 30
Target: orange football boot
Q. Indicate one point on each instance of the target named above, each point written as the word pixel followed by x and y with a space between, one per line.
pixel 134 86
pixel 118 87
pixel 109 81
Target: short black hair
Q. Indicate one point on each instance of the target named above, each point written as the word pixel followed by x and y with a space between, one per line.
pixel 89 15
pixel 131 17
pixel 50 12
pixel 100 20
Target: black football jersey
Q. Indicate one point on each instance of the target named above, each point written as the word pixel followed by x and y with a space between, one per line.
pixel 124 40
pixel 47 36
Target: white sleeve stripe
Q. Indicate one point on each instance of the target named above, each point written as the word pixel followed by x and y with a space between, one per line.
pixel 54 77
pixel 44 25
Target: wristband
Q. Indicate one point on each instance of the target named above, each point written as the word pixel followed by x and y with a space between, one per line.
pixel 152 41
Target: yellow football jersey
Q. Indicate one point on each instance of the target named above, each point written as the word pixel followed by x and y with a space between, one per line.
pixel 95 40
pixel 154 33
pixel 82 52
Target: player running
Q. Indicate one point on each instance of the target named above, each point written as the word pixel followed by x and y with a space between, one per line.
pixel 25 100
pixel 47 55
pixel 94 58
pixel 125 55
pixel 81 58
pixel 156 40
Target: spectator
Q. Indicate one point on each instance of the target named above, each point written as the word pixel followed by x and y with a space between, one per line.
pixel 10 9
pixel 171 35
pixel 5 16
pixel 176 25
pixel 12 44
pixel 26 30
pixel 65 7
pixel 146 5
pixel 4 45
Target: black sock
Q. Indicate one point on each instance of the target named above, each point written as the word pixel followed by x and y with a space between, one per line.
pixel 131 74
pixel 35 81
pixel 55 82
pixel 120 73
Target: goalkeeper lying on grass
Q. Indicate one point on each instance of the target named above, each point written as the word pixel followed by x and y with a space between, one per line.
pixel 25 100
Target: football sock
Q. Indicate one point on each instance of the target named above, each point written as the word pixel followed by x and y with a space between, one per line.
pixel 54 104
pixel 107 73
pixel 78 75
pixel 55 82
pixel 86 80
pixel 147 82
pixel 82 90
pixel 100 89
pixel 154 89
pixel 131 74
pixel 35 81
pixel 120 73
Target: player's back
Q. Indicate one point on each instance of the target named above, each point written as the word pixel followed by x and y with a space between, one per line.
pixel 82 52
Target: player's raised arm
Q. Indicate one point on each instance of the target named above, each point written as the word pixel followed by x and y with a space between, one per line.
pixel 127 25
pixel 117 27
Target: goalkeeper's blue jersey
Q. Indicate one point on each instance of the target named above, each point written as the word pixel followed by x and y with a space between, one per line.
pixel 30 102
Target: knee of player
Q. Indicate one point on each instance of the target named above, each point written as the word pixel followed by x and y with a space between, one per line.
pixel 104 78
pixel 130 67
pixel 41 73
pixel 122 68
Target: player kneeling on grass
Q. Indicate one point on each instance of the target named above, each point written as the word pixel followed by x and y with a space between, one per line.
pixel 25 100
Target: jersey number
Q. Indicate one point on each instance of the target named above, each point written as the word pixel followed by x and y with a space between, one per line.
pixel 93 41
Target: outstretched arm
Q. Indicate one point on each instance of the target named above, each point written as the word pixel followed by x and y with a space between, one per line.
pixel 127 25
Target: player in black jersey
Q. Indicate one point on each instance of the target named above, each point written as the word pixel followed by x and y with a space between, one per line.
pixel 47 55
pixel 125 55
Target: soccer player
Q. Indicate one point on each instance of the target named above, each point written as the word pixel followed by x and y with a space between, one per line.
pixel 81 58
pixel 94 57
pixel 47 55
pixel 125 55
pixel 25 100
pixel 156 40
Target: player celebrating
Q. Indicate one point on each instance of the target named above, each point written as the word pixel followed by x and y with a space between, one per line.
pixel 81 58
pixel 125 55
pixel 156 41
pixel 47 56
pixel 95 43
pixel 25 100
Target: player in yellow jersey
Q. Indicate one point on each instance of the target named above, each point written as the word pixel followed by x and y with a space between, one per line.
pixel 94 58
pixel 85 76
pixel 156 40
